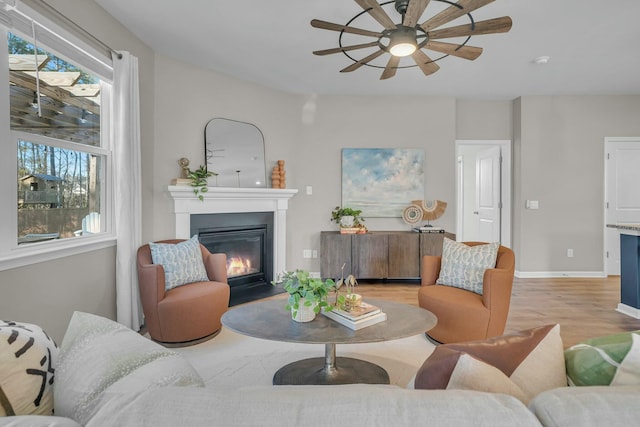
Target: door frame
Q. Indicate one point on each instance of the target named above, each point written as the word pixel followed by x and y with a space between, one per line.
pixel 505 185
pixel 608 145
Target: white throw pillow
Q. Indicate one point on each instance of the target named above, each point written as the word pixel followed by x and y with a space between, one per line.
pixel 464 266
pixel 28 359
pixel 182 262
pixel 100 360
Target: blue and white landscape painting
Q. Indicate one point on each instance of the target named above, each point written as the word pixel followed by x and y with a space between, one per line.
pixel 382 181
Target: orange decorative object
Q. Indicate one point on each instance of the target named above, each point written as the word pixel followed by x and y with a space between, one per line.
pixel 278 173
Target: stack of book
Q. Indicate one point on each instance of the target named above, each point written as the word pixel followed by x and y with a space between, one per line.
pixel 428 229
pixel 357 318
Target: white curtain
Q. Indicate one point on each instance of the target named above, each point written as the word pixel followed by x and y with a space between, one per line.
pixel 125 138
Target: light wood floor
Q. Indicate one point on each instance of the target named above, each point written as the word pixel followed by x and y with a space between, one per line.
pixel 584 308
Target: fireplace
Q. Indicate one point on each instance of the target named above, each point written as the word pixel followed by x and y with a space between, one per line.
pixel 270 204
pixel 246 239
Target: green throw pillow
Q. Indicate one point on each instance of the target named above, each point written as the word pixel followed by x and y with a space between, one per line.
pixel 609 360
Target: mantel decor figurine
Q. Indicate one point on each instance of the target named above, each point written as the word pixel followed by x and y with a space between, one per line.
pixel 184 173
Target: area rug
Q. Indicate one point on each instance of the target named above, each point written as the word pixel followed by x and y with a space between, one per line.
pixel 232 360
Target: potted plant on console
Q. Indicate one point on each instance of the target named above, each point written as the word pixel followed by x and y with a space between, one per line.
pixel 348 219
pixel 307 295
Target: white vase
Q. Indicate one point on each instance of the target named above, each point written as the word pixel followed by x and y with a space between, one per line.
pixel 304 313
pixel 347 221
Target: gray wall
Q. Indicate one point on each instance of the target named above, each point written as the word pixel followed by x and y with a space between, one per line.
pixel 560 162
pixel 49 292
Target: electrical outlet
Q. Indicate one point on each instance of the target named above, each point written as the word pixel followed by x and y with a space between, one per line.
pixel 314 274
pixel 314 253
pixel 569 253
pixel 306 253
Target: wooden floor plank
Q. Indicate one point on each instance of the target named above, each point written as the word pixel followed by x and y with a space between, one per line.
pixel 584 307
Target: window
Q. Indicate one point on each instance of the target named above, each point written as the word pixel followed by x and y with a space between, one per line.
pixel 58 144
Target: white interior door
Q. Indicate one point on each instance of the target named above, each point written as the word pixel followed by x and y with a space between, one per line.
pixel 488 203
pixel 622 197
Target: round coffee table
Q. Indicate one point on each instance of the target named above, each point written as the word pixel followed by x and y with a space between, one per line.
pixel 269 320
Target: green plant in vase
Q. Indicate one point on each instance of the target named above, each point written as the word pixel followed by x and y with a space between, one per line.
pixel 198 179
pixel 305 291
pixel 347 217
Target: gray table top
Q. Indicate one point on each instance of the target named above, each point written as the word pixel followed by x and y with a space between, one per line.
pixel 269 320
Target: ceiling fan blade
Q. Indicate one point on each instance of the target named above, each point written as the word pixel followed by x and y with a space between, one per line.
pixel 377 12
pixel 324 25
pixel 414 12
pixel 466 52
pixel 390 69
pixel 453 12
pixel 363 61
pixel 490 26
pixel 424 62
pixel 344 48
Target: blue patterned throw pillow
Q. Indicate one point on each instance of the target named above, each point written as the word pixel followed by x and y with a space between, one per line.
pixel 463 266
pixel 182 262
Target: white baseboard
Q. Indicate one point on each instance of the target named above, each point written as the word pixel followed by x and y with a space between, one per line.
pixel 628 310
pixel 554 274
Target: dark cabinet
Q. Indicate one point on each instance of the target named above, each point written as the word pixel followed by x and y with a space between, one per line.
pixel 378 254
pixel 370 255
pixel 335 250
pixel 404 255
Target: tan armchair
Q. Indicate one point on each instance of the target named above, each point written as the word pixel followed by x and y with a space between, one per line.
pixel 189 313
pixel 464 315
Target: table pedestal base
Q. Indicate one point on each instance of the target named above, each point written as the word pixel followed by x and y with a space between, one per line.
pixel 330 370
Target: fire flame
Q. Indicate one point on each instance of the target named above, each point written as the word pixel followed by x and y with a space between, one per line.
pixel 237 266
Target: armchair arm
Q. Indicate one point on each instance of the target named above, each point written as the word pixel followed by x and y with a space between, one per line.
pixel 216 265
pixel 430 269
pixel 496 289
pixel 151 282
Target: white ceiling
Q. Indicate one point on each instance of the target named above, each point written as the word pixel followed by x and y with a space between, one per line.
pixel 593 45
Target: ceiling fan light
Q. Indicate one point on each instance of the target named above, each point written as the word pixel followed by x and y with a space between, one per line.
pixel 402 49
pixel 403 42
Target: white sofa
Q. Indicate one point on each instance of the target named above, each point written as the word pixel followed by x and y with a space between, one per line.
pixel 108 375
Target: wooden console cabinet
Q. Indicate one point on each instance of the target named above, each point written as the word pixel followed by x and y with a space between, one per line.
pixel 378 254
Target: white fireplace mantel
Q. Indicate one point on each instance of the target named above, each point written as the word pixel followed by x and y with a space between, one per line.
pixel 230 200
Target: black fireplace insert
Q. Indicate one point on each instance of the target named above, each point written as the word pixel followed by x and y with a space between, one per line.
pixel 247 240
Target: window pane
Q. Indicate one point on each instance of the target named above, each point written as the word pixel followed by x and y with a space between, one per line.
pixel 68 105
pixel 57 189
pixel 59 184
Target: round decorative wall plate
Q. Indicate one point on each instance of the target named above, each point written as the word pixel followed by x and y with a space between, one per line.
pixel 412 214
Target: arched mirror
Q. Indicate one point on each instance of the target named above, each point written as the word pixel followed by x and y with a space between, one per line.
pixel 235 152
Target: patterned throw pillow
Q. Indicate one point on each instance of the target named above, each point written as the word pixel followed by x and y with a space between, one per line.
pixel 463 266
pixel 28 359
pixel 609 360
pixel 522 365
pixel 182 262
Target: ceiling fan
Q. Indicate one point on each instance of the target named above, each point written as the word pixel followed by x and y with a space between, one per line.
pixel 409 38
